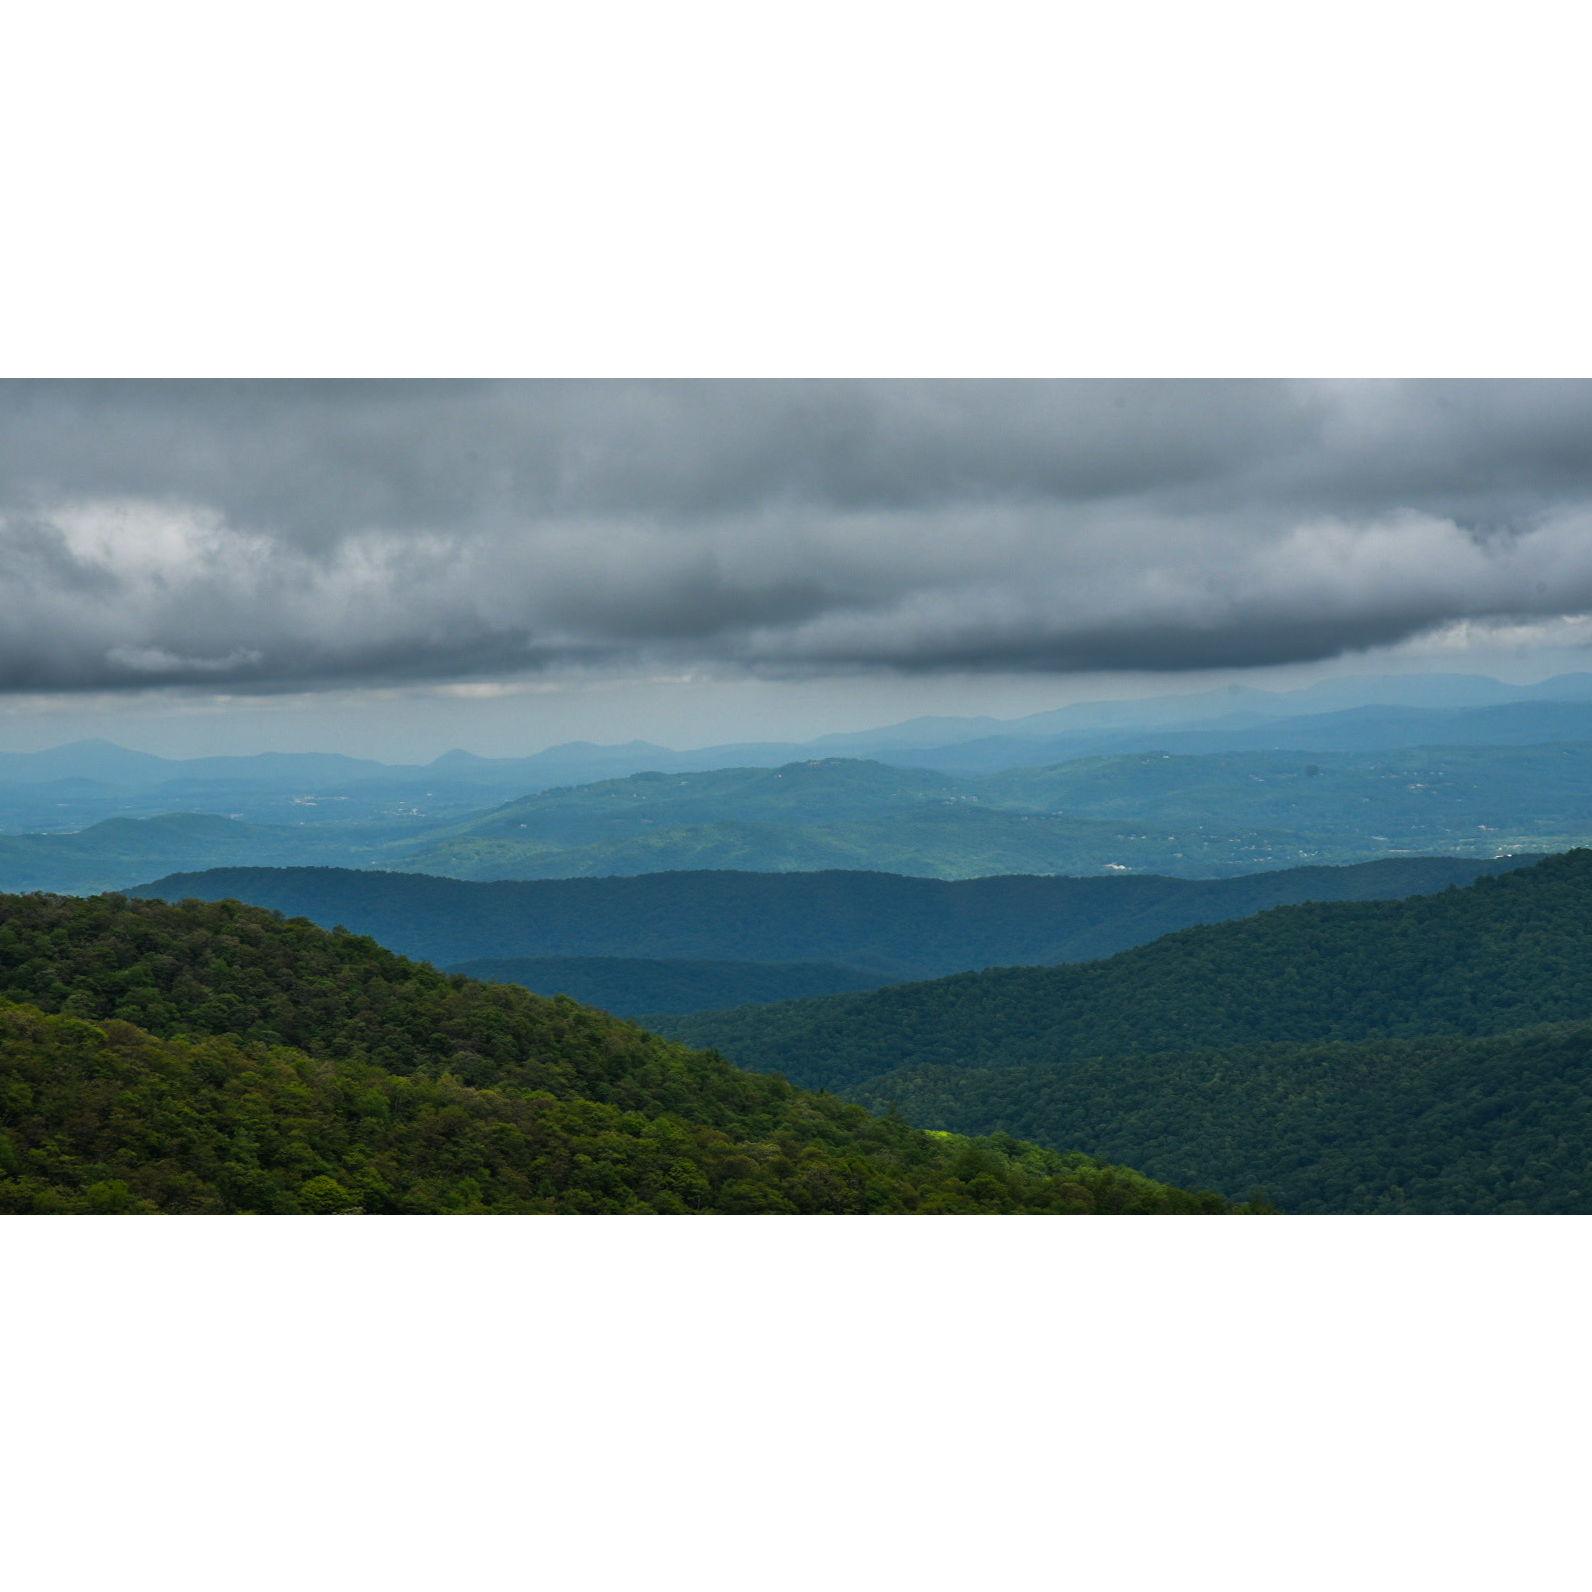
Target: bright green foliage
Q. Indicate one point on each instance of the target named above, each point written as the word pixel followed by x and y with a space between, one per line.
pixel 216 1058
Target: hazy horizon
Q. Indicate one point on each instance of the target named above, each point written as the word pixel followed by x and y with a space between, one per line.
pixel 167 730
pixel 396 569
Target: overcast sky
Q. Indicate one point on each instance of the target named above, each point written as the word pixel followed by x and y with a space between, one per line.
pixel 397 568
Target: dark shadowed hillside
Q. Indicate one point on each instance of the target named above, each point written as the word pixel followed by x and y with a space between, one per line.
pixel 1495 1124
pixel 1502 953
pixel 628 984
pixel 881 926
pixel 1351 1056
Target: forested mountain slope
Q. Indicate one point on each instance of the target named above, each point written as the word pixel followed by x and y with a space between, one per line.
pixel 1190 816
pixel 1507 951
pixel 881 926
pixel 832 813
pixel 204 1058
pixel 630 984
pixel 1495 1124
pixel 1348 1057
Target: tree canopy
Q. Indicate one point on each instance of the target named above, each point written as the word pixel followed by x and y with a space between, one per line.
pixel 215 1057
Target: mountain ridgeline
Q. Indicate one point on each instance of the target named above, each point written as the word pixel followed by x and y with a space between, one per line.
pixel 1189 816
pixel 1504 952
pixel 213 1058
pixel 1207 816
pixel 1288 1044
pixel 630 984
pixel 875 927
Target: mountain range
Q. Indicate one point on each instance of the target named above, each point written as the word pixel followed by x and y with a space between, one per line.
pixel 873 927
pixel 1202 816
pixel 1202 785
pixel 1348 1056
pixel 88 780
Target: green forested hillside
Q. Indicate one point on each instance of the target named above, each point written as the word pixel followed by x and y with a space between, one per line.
pixel 1377 1056
pixel 1498 1124
pixel 883 926
pixel 898 820
pixel 628 984
pixel 1504 952
pixel 207 1058
pixel 1151 812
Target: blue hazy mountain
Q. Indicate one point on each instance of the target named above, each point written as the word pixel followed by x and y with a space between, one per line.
pixel 1197 817
pixel 118 852
pixel 1234 710
pixel 1227 782
pixel 880 926
pixel 1191 816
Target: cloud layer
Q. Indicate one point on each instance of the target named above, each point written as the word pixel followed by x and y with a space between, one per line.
pixel 266 536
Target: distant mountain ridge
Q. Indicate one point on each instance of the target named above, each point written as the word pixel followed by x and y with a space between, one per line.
pixel 629 985
pixel 1505 951
pixel 1209 816
pixel 1223 710
pixel 881 926
pixel 1166 786
pixel 1193 817
pixel 111 854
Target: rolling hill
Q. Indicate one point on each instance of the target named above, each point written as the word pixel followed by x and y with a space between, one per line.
pixel 830 813
pixel 1287 1045
pixel 122 851
pixel 219 1058
pixel 1209 816
pixel 626 985
pixel 1507 951
pixel 1202 817
pixel 882 927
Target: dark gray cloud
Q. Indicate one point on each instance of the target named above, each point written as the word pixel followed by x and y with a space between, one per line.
pixel 263 536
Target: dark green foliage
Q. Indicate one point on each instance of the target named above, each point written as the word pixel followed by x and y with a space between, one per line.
pixel 1501 1124
pixel 882 925
pixel 1329 1054
pixel 1505 952
pixel 628 985
pixel 214 1057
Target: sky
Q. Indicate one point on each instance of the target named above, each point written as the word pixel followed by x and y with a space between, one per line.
pixel 396 568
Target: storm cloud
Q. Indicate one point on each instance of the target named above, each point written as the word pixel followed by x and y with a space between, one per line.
pixel 271 536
